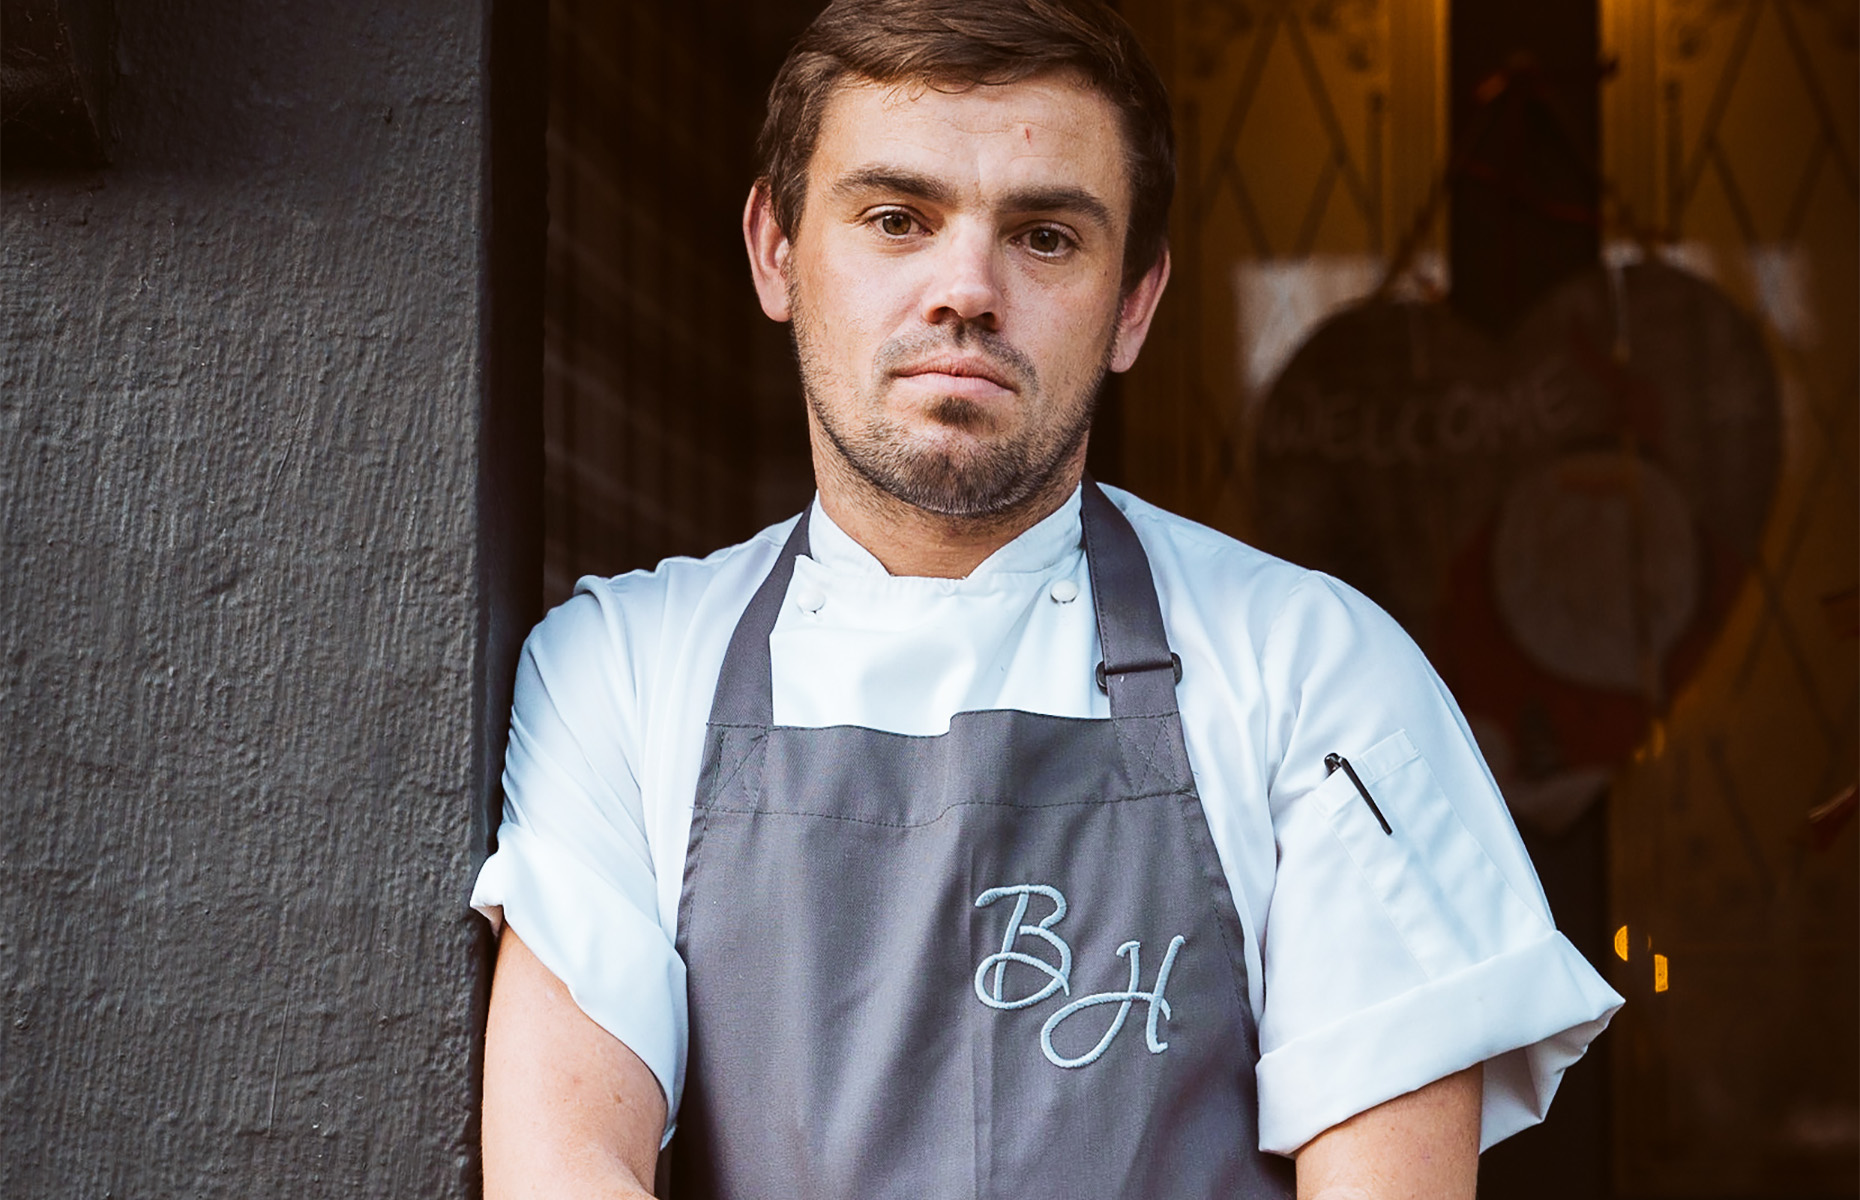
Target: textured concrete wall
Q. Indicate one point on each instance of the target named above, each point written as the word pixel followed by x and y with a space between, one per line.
pixel 241 613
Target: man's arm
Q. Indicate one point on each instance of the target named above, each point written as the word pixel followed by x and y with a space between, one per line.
pixel 569 1111
pixel 1421 1146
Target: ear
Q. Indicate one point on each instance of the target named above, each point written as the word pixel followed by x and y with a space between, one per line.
pixel 1133 318
pixel 768 253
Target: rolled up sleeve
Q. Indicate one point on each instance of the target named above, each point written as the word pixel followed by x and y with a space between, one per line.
pixel 1397 957
pixel 573 872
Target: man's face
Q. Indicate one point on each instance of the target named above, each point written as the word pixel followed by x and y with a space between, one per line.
pixel 955 286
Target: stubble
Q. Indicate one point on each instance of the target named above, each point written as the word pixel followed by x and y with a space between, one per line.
pixel 979 477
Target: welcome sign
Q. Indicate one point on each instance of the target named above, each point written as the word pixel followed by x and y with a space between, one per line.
pixel 1561 518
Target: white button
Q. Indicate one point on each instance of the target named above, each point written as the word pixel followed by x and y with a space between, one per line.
pixel 1064 591
pixel 809 599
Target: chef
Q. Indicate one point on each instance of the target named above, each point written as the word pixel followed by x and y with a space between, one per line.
pixel 985 831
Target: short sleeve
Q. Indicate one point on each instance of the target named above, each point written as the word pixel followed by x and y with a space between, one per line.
pixel 573 871
pixel 1407 937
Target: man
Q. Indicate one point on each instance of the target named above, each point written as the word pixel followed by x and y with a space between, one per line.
pixel 984 832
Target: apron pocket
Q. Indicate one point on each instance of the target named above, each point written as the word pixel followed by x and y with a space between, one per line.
pixel 1445 896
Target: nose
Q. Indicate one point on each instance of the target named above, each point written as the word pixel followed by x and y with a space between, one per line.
pixel 964 282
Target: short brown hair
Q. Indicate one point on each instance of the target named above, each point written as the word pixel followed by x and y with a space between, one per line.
pixel 968 43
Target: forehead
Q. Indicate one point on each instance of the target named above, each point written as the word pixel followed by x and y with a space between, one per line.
pixel 1046 130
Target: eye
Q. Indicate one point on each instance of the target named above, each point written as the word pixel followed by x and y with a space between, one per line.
pixel 895 224
pixel 1048 241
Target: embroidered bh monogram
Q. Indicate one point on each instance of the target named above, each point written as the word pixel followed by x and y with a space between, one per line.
pixel 992 992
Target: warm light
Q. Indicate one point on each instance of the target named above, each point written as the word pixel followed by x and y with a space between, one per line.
pixel 1621 945
pixel 1655 743
pixel 1659 973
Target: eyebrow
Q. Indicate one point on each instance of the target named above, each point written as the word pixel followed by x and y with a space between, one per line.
pixel 895 180
pixel 903 182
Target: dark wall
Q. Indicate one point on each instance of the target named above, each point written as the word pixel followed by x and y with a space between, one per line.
pixel 243 594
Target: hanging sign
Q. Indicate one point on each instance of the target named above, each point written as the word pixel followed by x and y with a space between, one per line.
pixel 1561 519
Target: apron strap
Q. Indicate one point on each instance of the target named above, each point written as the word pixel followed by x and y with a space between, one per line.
pixel 1138 671
pixel 746 687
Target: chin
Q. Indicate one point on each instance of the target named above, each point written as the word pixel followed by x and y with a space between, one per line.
pixel 953 456
pixel 966 479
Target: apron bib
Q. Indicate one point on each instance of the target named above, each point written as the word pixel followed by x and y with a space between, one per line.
pixel 998 962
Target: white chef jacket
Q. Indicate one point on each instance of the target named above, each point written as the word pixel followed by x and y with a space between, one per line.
pixel 1376 963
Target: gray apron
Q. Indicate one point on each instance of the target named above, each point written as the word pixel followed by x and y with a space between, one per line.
pixel 998 962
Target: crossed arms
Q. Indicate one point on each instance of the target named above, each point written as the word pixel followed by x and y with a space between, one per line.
pixel 569 1111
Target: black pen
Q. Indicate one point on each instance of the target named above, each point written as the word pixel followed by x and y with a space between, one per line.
pixel 1332 762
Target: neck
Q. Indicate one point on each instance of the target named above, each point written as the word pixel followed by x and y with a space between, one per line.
pixel 909 540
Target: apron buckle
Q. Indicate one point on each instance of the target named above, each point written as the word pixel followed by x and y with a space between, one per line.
pixel 1104 674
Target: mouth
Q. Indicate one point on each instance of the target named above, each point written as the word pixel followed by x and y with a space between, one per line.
pixel 959 375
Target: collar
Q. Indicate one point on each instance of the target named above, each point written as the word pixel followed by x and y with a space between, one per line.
pixel 1036 551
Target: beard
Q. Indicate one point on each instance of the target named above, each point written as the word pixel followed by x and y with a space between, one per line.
pixel 965 474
